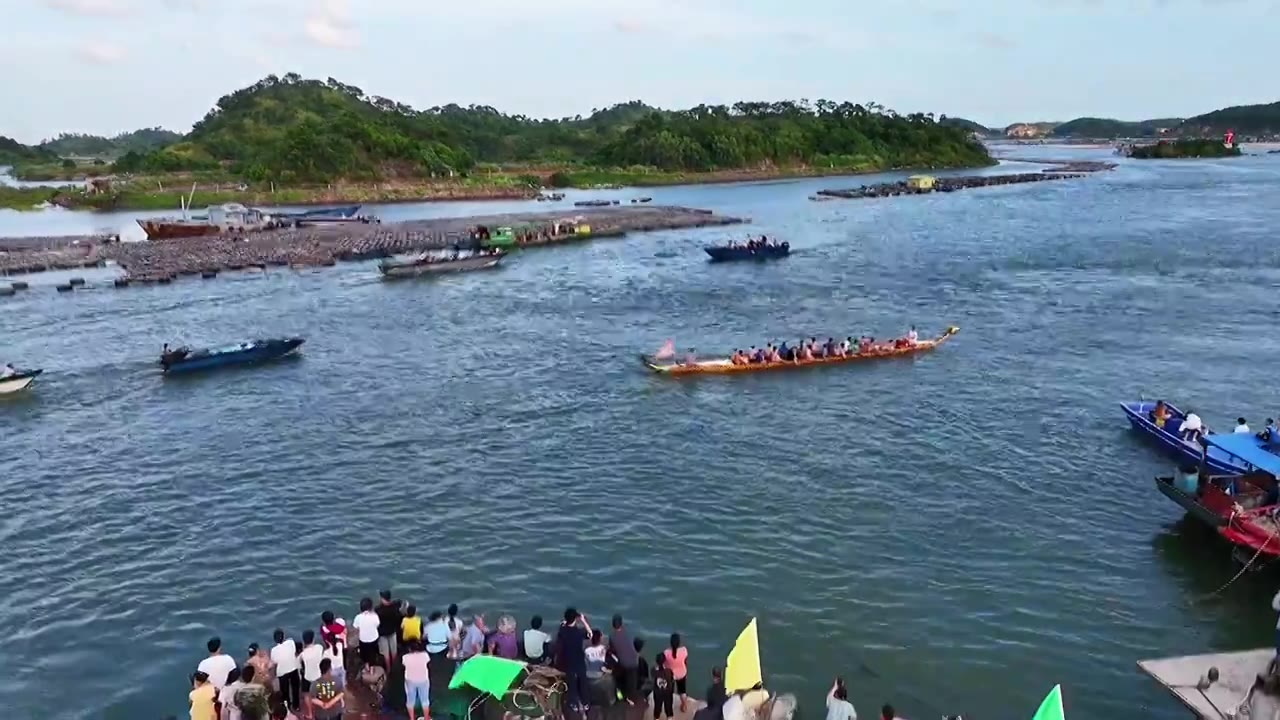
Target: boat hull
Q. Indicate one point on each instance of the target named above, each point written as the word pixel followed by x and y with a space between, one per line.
pixel 1167 438
pixel 17 383
pixel 345 211
pixel 171 229
pixel 258 352
pixel 740 254
pixel 726 367
pixel 394 270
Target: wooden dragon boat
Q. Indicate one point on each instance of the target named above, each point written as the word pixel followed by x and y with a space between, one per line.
pixel 725 366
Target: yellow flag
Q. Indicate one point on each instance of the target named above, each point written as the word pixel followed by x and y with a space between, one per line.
pixel 742 669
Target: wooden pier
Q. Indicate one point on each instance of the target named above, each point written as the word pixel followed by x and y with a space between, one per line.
pixel 1217 686
pixel 165 260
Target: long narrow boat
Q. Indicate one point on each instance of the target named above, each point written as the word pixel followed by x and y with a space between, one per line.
pixel 1242 507
pixel 392 269
pixel 19 381
pixel 184 360
pixel 1170 439
pixel 725 366
pixel 730 253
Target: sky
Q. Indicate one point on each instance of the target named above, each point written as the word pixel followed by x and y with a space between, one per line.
pixel 108 66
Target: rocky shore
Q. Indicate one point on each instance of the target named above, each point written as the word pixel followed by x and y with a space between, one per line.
pixel 166 260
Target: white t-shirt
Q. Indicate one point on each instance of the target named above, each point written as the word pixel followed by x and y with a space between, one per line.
pixel 367 625
pixel 217 667
pixel 838 709
pixel 335 659
pixel 285 657
pixel 1243 428
pixel 1192 422
pixel 534 642
pixel 311 656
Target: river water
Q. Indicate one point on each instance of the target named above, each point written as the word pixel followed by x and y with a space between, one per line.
pixel 956 533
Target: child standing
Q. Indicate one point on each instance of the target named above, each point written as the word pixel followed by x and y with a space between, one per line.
pixel 664 689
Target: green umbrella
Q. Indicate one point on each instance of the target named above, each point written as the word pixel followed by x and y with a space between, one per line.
pixel 487 673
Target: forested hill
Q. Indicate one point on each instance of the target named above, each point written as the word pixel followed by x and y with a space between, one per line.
pixel 75 144
pixel 292 128
pixel 13 152
pixel 1241 119
pixel 1091 127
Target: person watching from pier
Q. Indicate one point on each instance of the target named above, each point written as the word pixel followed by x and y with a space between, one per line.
pixel 571 658
pixel 676 658
pixel 366 624
pixel 838 705
pixel 288 673
pixel 411 625
pixel 309 659
pixel 1242 427
pixel 417 679
pixel 327 701
pixel 1192 426
pixel 626 661
pixel 716 694
pixel 202 697
pixel 437 636
pixel 473 638
pixel 260 661
pixel 227 707
pixel 535 641
pixel 456 628
pixel 389 618
pixel 664 690
pixel 888 713
pixel 218 665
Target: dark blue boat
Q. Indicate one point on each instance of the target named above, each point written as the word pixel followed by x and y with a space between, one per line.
pixel 729 253
pixel 1170 439
pixel 184 360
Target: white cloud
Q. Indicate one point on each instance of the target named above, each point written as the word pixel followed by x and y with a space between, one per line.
pixel 328 24
pixel 92 8
pixel 100 52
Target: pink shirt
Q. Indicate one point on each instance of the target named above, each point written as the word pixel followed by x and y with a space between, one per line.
pixel 676 662
pixel 415 667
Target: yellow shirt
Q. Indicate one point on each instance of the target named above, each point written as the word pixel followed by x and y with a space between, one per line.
pixel 202 702
pixel 411 628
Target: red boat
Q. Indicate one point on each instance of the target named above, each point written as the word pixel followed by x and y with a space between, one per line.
pixel 1242 508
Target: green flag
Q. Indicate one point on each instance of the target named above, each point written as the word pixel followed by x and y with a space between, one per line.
pixel 1051 708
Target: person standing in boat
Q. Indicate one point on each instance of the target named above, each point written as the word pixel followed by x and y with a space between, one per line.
pixel 912 336
pixel 1192 426
pixel 8 371
pixel 1160 414
pixel 1242 427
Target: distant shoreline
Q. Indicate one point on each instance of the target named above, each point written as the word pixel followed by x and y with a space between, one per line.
pixel 503 186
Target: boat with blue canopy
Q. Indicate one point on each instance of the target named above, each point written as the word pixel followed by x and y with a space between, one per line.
pixel 184 359
pixel 1169 437
pixel 1243 507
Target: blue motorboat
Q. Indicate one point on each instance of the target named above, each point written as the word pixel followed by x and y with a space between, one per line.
pixel 1188 452
pixel 184 360
pixel 750 251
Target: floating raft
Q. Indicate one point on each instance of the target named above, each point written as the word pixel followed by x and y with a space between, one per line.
pixel 944 185
pixel 1236 674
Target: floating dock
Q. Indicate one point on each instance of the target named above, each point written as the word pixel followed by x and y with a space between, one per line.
pixel 943 185
pixel 1214 686
pixel 164 260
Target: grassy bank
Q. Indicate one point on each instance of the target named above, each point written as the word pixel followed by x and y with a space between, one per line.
pixel 1187 148
pixel 165 192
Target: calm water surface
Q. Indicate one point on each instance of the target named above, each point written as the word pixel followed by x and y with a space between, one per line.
pixel 953 533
